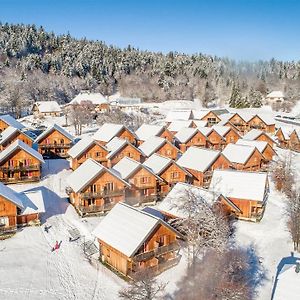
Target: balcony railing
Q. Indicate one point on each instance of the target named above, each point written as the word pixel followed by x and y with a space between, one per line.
pixel 102 194
pixel 20 179
pixel 134 200
pixel 95 208
pixel 43 146
pixel 35 167
pixel 7 229
pixel 156 252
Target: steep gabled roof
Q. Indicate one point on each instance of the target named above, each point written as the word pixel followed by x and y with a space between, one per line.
pixel 153 144
pixel 33 202
pixel 179 115
pixel 146 131
pixel 11 195
pixel 238 153
pixel 20 145
pixel 86 173
pixel 10 121
pixel 185 134
pixel 158 164
pixel 239 184
pixel 286 131
pixel 9 132
pixel 53 128
pixel 47 106
pixel 176 125
pixel 116 145
pixel 95 98
pixel 127 167
pixel 221 130
pixel 253 134
pixel 126 228
pixel 198 159
pixel 260 145
pixel 200 123
pixel 81 146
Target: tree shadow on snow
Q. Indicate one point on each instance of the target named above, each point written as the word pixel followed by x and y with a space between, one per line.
pixel 54 204
pixel 285 261
pixel 54 166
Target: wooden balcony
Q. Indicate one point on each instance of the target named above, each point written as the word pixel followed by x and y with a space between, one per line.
pixel 7 230
pixel 21 179
pixel 156 252
pixel 93 209
pixel 20 168
pixel 102 194
pixel 57 146
pixel 138 200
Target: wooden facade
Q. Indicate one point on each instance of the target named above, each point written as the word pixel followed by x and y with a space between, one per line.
pixel 203 179
pixel 157 253
pixel 95 151
pixel 253 163
pixel 8 215
pixel 100 195
pixel 237 121
pixel 282 140
pixel 231 136
pixel 211 118
pixel 36 111
pixel 216 141
pixel 168 150
pixel 54 144
pixel 18 135
pixel 198 140
pixel 127 150
pixel 258 123
pixel 266 138
pixel 294 142
pixel 20 166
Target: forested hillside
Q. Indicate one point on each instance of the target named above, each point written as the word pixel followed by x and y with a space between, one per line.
pixel 38 65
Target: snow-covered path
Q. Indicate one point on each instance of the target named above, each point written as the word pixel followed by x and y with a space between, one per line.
pixel 30 270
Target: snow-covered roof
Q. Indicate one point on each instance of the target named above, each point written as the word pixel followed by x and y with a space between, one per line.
pixel 185 134
pixel 52 128
pixel 179 115
pixel 126 167
pixel 10 132
pixel 198 114
pixel 266 118
pixel 239 184
pixel 171 203
pixel 287 284
pixel 20 145
pixel 81 146
pixel 117 144
pixel 95 98
pixel 145 131
pixel 175 126
pixel 108 131
pixel 205 130
pixel 199 123
pixel 238 153
pixel 198 159
pixel 9 120
pixel 221 130
pixel 276 94
pixel 33 202
pixel 286 131
pixel 48 106
pixel 86 173
pixel 254 134
pixel 152 144
pixel 126 228
pixel 260 145
pixel 9 194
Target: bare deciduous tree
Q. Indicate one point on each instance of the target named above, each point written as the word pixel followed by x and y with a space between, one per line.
pixel 144 287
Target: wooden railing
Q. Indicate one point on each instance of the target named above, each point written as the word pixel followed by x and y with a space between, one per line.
pixel 34 167
pixel 7 229
pixel 20 179
pixel 55 145
pixel 156 252
pixel 95 208
pixel 102 194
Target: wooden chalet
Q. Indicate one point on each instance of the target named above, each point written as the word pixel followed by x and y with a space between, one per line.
pixel 236 120
pixel 288 138
pixel 11 134
pixel 201 163
pixel 243 157
pixel 187 137
pixel 168 170
pixel 215 139
pixel 146 131
pixel 263 123
pixel 160 146
pixel 132 241
pixel 87 148
pixel 119 148
pixel 19 209
pixel 108 131
pixel 263 147
pixel 46 108
pixel 94 188
pixel 179 115
pixel 20 163
pixel 54 142
pixel 243 194
pixel 258 135
pixel 230 134
pixel 206 115
pixel 144 183
pixel 7 121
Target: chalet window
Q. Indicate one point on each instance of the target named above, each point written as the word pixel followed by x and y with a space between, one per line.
pixel 144 180
pixel 109 186
pixel 108 253
pixel 2 206
pixel 93 188
pixel 99 154
pixel 168 152
pixel 62 141
pixel 3 221
pixel 174 175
